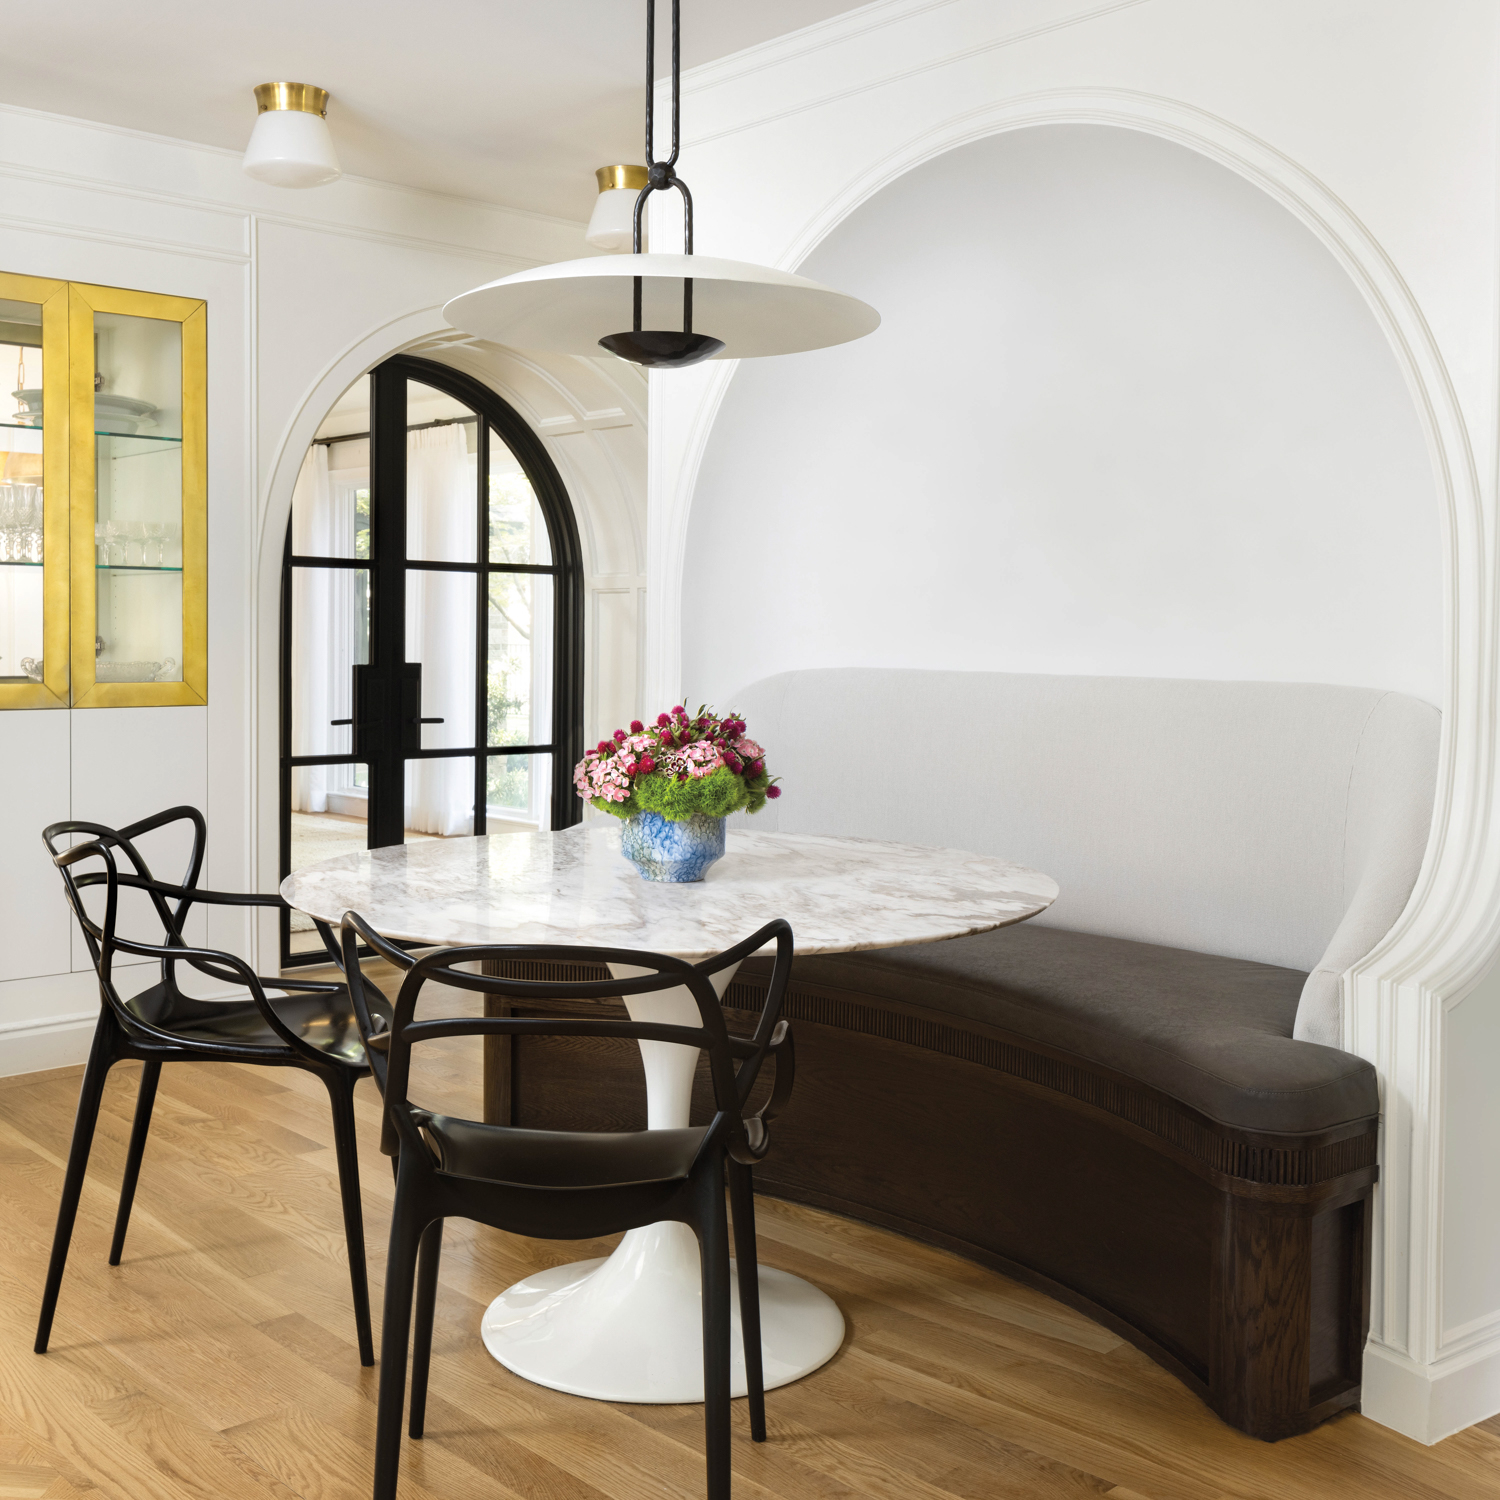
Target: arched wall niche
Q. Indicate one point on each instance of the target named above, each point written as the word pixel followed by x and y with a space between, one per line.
pixel 1430 1368
pixel 1124 415
pixel 591 414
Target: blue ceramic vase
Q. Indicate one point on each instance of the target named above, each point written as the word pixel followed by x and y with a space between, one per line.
pixel 662 849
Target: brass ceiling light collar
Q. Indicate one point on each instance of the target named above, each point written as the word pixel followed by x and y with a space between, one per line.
pixel 634 178
pixel 306 98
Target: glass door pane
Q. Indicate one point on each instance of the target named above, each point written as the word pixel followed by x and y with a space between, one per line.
pixel 518 531
pixel 138 541
pixel 442 477
pixel 520 659
pixel 519 793
pixel 22 621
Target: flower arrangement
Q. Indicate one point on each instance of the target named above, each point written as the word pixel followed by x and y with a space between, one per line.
pixel 680 767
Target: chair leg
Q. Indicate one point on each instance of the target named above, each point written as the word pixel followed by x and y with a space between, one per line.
pixel 429 1254
pixel 341 1093
pixel 150 1074
pixel 742 1202
pixel 101 1057
pixel 713 1246
pixel 400 1269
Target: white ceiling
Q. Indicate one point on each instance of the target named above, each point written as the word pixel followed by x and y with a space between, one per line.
pixel 512 101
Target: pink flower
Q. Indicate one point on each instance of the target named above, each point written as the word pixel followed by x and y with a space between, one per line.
pixel 677 708
pixel 619 736
pixel 604 747
pixel 647 765
pixel 663 720
pixel 702 759
pixel 756 767
pixel 773 791
pixel 749 749
pixel 636 726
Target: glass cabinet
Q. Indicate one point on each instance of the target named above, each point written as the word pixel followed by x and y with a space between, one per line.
pixel 103 518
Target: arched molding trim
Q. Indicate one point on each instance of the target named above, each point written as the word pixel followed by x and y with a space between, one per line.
pixel 1445 941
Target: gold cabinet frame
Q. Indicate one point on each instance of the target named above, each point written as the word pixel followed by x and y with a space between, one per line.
pixel 84 302
pixel 52 297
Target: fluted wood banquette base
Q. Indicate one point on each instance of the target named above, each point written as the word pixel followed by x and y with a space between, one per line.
pixel 1237 1259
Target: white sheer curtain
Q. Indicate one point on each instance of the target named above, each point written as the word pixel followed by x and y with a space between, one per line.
pixel 440 620
pixel 324 621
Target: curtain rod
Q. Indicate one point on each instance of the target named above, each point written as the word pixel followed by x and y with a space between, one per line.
pixel 354 437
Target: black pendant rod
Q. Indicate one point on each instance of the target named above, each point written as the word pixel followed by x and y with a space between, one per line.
pixel 661 347
pixel 663 174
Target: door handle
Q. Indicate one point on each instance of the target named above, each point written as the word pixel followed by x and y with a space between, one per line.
pixel 424 721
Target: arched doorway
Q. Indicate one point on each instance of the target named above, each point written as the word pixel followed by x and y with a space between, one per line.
pixel 431 630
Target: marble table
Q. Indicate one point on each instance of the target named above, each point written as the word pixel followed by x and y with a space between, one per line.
pixel 629 1327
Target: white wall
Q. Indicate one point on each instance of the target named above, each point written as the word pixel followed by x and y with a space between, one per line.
pixel 305 290
pixel 1375 123
pixel 1124 414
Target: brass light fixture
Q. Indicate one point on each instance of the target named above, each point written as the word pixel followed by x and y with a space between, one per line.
pixel 290 145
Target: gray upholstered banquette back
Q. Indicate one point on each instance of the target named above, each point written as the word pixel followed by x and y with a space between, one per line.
pixel 1282 822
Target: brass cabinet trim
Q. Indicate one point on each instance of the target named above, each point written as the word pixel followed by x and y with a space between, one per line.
pixel 192 314
pixel 52 297
pixel 69 581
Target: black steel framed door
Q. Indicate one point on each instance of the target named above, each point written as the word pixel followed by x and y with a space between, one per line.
pixel 442 576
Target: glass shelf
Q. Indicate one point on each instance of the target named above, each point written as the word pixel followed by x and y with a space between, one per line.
pixel 20 564
pixel 148 438
pixel 119 568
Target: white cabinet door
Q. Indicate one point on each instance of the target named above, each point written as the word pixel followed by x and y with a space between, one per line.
pixel 127 764
pixel 34 774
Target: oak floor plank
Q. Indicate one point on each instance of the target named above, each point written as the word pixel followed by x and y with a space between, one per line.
pixel 219 1358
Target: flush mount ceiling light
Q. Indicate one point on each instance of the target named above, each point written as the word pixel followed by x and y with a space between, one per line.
pixel 577 306
pixel 612 224
pixel 290 145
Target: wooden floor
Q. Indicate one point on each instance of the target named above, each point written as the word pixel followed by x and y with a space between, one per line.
pixel 218 1360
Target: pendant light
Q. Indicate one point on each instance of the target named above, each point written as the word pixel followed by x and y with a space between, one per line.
pixel 290 145
pixel 667 311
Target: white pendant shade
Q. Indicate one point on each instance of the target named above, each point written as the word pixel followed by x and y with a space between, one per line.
pixel 568 307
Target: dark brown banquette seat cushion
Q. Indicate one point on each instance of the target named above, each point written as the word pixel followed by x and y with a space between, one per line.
pixel 1213 1033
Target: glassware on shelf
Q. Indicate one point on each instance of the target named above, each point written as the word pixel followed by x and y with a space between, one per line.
pixel 154 549
pixel 35 515
pixel 135 543
pixel 135 671
pixel 32 668
pixel 21 518
pixel 101 544
pixel 172 545
pixel 114 535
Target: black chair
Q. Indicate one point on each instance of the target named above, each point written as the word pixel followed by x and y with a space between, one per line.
pixel 572 1184
pixel 312 1028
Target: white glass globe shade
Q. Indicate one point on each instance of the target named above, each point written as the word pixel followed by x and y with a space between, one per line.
pixel 291 148
pixel 612 224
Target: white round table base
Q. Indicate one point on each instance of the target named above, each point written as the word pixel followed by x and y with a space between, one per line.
pixel 630 1328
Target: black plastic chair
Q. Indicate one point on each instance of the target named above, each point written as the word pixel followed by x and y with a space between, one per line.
pixel 572 1184
pixel 313 1028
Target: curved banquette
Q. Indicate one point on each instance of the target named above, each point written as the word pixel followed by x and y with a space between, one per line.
pixel 1138 1101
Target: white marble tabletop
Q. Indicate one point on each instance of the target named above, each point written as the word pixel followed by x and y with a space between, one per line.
pixel 574 886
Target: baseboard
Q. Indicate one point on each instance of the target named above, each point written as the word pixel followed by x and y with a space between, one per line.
pixel 47 1042
pixel 1431 1402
